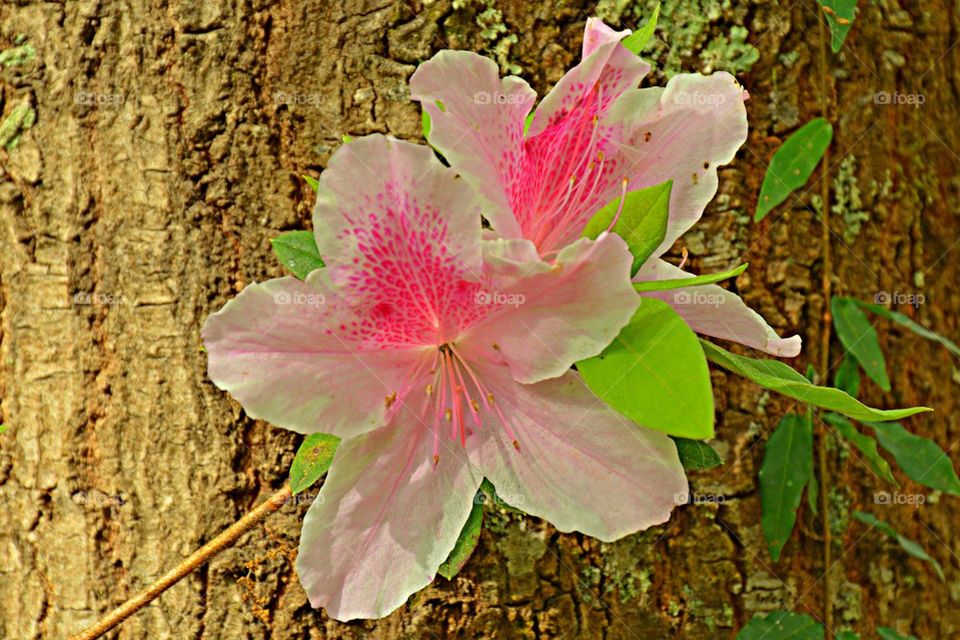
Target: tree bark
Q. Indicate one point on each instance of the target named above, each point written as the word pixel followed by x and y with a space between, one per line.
pixel 166 152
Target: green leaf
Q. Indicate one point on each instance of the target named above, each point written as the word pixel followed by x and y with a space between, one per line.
pixel 782 625
pixel 847 377
pixel 920 458
pixel 695 281
pixel 696 455
pixel 642 222
pixel 347 139
pixel 425 123
pixel 906 544
pixel 885 633
pixel 313 459
pixel 466 542
pixel 859 338
pixel 297 251
pixel 866 445
pixel 787 466
pixel 636 41
pixel 905 321
pixel 776 376
pixel 840 14
pixel 312 183
pixel 528 121
pixel 793 164
pixel 3 428
pixel 655 374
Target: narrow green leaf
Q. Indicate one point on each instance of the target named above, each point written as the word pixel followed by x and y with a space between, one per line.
pixel 466 542
pixel 3 428
pixel 297 251
pixel 813 494
pixel 859 338
pixel 528 121
pixel 847 377
pixel 347 139
pixel 694 281
pixel 425 123
pixel 885 633
pixel 696 455
pixel 782 625
pixel 313 459
pixel 793 164
pixel 906 544
pixel 312 183
pixel 642 222
pixel 787 465
pixel 905 321
pixel 920 458
pixel 840 15
pixel 655 374
pixel 636 41
pixel 777 376
pixel 866 445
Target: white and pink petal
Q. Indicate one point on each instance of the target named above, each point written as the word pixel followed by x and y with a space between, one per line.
pixel 716 312
pixel 281 348
pixel 576 463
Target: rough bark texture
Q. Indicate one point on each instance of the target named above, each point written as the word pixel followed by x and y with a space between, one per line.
pixel 168 141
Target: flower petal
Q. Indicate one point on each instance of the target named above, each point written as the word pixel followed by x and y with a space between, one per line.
pixel 384 520
pixel 579 464
pixel 682 133
pixel 479 128
pixel 597 33
pixel 374 176
pixel 714 311
pixel 554 314
pixel 272 350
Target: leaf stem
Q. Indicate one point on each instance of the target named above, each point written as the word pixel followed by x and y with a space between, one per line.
pixel 827 285
pixel 188 566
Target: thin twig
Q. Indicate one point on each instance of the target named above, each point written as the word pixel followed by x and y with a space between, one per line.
pixel 825 344
pixel 185 568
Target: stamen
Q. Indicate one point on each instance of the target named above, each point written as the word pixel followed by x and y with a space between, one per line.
pixel 623 198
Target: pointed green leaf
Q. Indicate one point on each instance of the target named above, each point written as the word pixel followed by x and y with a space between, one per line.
pixel 636 41
pixel 787 465
pixel 905 321
pixel 693 281
pixel 313 459
pixel 528 121
pixel 885 633
pixel 3 428
pixel 865 444
pixel 859 338
pixel 777 376
pixel 312 183
pixel 847 377
pixel 466 542
pixel 793 164
pixel 297 251
pixel 655 374
pixel 920 458
pixel 906 544
pixel 782 625
pixel 840 14
pixel 425 123
pixel 696 455
pixel 642 222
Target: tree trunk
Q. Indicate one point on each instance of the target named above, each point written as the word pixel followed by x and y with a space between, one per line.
pixel 167 148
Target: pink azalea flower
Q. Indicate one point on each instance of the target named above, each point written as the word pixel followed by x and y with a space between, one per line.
pixel 440 357
pixel 594 137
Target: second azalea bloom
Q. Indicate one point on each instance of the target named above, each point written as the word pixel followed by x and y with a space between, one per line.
pixel 592 139
pixel 439 356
